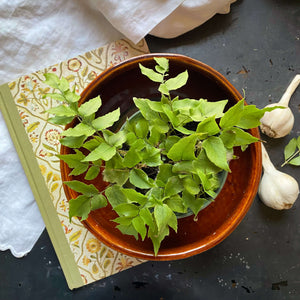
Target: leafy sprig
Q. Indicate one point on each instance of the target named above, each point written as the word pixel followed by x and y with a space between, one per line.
pixel 292 152
pixel 165 160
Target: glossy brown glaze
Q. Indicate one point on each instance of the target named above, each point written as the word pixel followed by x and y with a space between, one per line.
pixel 117 86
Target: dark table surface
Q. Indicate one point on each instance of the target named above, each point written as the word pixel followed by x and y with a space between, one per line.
pixel 257 48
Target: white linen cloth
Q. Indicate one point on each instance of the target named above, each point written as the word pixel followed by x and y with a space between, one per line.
pixel 35 34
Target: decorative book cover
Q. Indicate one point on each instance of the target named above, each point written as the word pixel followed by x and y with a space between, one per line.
pixel 82 257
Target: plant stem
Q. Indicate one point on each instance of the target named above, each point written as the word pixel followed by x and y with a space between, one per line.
pixel 290 158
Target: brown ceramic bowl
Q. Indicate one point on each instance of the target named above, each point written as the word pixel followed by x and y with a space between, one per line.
pixel 117 86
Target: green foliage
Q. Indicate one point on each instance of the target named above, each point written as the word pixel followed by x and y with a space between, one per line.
pixel 165 160
pixel 292 152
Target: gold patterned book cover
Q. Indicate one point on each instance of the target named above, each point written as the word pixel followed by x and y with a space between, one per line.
pixel 82 257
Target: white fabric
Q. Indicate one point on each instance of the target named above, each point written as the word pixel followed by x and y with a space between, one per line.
pixel 20 223
pixel 35 34
pixel 135 18
pixel 190 15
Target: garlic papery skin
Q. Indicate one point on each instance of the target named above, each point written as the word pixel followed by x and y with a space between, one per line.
pixel 279 122
pixel 277 190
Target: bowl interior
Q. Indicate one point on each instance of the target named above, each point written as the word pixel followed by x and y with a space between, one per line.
pixel 116 87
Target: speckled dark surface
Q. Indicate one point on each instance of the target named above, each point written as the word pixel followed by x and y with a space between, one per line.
pixel 257 47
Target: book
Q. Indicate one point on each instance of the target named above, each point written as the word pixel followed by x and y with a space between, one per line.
pixel 83 258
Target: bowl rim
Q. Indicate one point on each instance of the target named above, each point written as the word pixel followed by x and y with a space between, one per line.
pixel 245 205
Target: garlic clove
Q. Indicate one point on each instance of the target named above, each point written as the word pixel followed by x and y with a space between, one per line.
pixel 276 189
pixel 279 122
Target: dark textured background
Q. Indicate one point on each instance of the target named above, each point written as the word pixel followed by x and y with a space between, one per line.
pixel 257 48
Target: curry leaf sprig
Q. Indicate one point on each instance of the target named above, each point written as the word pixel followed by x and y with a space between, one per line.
pixel 164 161
pixel 292 152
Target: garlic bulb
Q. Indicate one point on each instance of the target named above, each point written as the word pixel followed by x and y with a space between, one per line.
pixel 279 122
pixel 276 189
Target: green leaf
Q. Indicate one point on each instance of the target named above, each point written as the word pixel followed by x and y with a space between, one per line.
pixel 72 160
pixel 114 139
pixel 185 105
pixel 169 142
pixel 176 204
pixel 79 169
pixel 243 138
pixel 147 217
pixel 290 148
pixel 146 111
pixel 250 118
pixel 184 130
pixel 103 151
pixel 52 80
pixel 163 63
pixel 155 105
pixel 183 167
pixel 79 130
pixel 159 125
pixel 295 161
pixel 157 237
pixel 216 152
pixel 155 196
pixel 115 196
pixel 214 108
pixel 233 115
pixel 155 136
pixel 129 230
pixel 63 84
pixel 81 187
pixel 171 115
pixel 228 138
pixel 71 97
pixel 177 82
pixel 209 126
pixel 92 144
pixel 116 162
pixel 92 173
pixel 191 186
pixel 90 107
pixel 195 204
pixel 123 221
pixel 151 156
pixel 132 158
pixel 107 120
pixel 164 216
pixel 151 74
pixel 140 179
pixel 60 120
pixel 140 126
pixel 204 164
pixel 73 141
pixel 163 89
pixel 127 210
pixel 55 96
pixel 98 201
pixel 184 149
pixel 134 197
pixel 79 207
pixel 62 111
pixel 164 173
pixel 173 186
pixel 118 176
pixel 139 226
pixel 207 184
